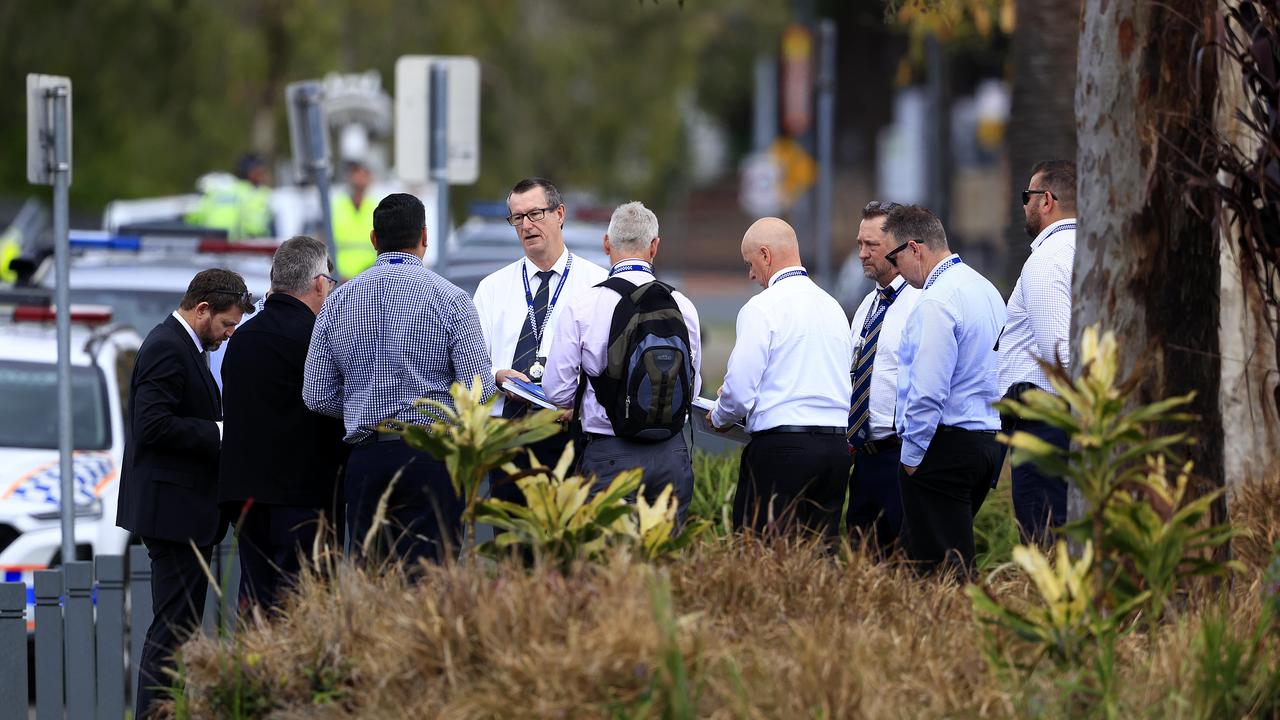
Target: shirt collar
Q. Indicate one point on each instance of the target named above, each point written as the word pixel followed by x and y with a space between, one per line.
pixel 774 278
pixel 191 333
pixel 557 267
pixel 894 284
pixel 937 269
pixel 395 258
pixel 631 261
pixel 1045 233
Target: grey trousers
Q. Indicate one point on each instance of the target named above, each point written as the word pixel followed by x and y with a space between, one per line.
pixel 665 463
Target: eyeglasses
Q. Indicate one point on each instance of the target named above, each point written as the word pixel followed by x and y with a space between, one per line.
pixel 1026 195
pixel 533 215
pixel 876 206
pixel 892 255
pixel 333 281
pixel 246 297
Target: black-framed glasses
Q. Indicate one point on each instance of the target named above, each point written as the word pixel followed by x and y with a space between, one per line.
pixel 892 255
pixel 876 206
pixel 533 215
pixel 333 281
pixel 246 297
pixel 1026 195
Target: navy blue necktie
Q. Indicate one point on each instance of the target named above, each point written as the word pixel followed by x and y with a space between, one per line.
pixel 860 410
pixel 527 346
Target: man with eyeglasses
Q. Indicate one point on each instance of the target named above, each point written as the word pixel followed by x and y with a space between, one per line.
pixel 278 476
pixel 169 477
pixel 393 334
pixel 874 515
pixel 946 385
pixel 520 305
pixel 1039 329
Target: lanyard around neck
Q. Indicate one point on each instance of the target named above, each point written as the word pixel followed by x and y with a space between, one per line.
pixel 888 295
pixel 539 328
pixel 937 272
pixel 790 274
pixel 630 268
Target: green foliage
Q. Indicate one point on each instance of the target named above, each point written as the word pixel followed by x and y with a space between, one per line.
pixel 563 522
pixel 470 441
pixel 715 480
pixel 995 532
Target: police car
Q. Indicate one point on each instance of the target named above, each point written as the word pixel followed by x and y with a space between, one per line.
pixel 102 357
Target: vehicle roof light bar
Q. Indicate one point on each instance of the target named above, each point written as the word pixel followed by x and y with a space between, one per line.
pixel 80 314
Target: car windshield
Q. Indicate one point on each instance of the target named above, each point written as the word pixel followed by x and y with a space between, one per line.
pixel 139 309
pixel 30 417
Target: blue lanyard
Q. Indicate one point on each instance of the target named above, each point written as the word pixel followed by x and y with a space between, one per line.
pixel 876 310
pixel 790 273
pixel 1067 226
pixel 528 298
pixel 630 268
pixel 937 272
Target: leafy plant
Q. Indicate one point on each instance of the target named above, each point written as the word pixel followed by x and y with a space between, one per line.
pixel 715 480
pixel 469 441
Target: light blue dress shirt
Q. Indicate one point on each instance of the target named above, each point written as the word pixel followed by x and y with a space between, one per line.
pixel 949 373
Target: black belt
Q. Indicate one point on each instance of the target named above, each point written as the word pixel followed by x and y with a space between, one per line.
pixel 872 447
pixel 380 437
pixel 953 428
pixel 809 429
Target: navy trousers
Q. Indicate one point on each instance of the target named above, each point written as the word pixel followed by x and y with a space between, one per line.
pixel 875 500
pixel 273 541
pixel 1039 500
pixel 424 515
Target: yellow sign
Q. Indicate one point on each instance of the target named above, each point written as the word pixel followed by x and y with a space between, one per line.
pixel 799 171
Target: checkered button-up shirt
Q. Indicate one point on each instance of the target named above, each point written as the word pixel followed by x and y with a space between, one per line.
pixel 1039 324
pixel 392 334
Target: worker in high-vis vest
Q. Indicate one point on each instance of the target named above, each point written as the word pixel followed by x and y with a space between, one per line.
pixel 240 205
pixel 353 221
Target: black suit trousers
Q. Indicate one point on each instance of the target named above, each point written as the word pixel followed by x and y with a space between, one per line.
pixel 942 496
pixel 274 540
pixel 787 480
pixel 178 587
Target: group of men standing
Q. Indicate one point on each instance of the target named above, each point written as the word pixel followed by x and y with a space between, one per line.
pixel 295 443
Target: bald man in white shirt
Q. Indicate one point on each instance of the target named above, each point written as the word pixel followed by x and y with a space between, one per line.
pixel 788 377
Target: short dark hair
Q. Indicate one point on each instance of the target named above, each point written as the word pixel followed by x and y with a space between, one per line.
pixel 398 221
pixel 548 189
pixel 222 289
pixel 878 208
pixel 1059 178
pixel 912 222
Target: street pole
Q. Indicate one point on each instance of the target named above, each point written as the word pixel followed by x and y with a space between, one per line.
pixel 438 132
pixel 313 120
pixel 826 111
pixel 56 100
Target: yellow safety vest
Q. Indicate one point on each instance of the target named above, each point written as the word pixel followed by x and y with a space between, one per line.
pixel 240 207
pixel 9 249
pixel 351 227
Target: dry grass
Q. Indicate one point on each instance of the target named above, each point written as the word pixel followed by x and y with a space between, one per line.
pixel 762 630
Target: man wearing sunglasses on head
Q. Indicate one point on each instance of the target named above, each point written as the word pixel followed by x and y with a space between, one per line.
pixel 875 501
pixel 169 478
pixel 947 382
pixel 1039 328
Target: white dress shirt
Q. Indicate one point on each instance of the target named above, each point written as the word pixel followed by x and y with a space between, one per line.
pixel 884 374
pixel 948 374
pixel 200 349
pixel 1039 323
pixel 581 339
pixel 791 360
pixel 503 309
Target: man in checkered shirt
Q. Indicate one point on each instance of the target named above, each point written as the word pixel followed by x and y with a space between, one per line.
pixel 390 335
pixel 1039 328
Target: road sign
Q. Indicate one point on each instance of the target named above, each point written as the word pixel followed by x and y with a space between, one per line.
pixel 40 127
pixel 761 191
pixel 797 80
pixel 413 140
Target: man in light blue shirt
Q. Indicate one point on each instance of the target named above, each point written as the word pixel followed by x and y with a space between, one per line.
pixel 948 378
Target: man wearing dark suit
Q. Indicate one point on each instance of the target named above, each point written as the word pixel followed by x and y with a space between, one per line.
pixel 280 461
pixel 169 484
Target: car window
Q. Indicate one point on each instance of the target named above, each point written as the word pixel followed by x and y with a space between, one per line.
pixel 139 309
pixel 30 419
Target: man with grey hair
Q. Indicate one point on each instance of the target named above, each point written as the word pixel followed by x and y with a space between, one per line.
pixel 947 382
pixel 280 462
pixel 585 373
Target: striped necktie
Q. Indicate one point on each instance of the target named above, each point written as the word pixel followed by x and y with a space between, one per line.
pixel 860 410
pixel 527 346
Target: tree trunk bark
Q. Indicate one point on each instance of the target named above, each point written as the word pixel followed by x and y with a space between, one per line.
pixel 1042 119
pixel 1147 256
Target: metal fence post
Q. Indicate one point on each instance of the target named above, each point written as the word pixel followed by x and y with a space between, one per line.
pixel 139 610
pixel 13 651
pixel 78 634
pixel 110 631
pixel 48 645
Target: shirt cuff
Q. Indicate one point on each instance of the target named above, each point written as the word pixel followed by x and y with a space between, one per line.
pixel 720 418
pixel 912 454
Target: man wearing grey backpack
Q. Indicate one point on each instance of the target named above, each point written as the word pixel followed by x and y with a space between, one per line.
pixel 626 356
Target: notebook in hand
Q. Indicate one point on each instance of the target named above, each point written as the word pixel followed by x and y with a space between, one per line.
pixel 528 392
pixel 701 406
